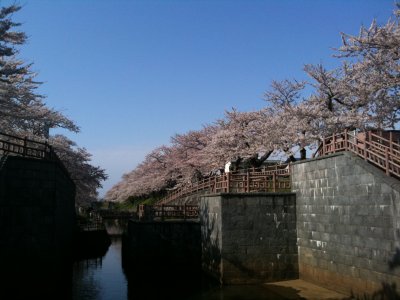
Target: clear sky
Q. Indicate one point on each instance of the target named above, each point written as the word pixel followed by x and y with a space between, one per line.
pixel 133 73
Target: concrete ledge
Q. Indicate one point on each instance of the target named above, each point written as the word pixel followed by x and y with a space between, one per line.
pixel 300 289
pixel 299 162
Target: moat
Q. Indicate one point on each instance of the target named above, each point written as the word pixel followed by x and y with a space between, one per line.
pixel 105 278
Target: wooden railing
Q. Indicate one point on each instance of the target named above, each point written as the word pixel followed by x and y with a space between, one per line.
pixel 268 179
pixel 115 214
pixel 13 145
pixel 94 223
pixel 371 146
pixel 168 212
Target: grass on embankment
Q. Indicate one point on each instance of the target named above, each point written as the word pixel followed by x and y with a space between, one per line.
pixel 132 203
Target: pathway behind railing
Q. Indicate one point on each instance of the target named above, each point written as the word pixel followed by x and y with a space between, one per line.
pixel 373 147
pixel 269 179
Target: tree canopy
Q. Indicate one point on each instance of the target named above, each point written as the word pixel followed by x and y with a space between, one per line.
pixel 362 93
pixel 23 111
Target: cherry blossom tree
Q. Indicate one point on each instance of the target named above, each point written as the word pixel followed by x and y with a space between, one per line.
pixel 362 93
pixel 150 176
pixel 87 177
pixel 167 166
pixel 238 137
pixel 188 152
pixel 284 111
pixel 21 108
pixel 24 113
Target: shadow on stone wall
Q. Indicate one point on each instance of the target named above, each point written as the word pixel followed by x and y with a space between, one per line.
pixel 211 248
pixel 242 240
pixel 388 291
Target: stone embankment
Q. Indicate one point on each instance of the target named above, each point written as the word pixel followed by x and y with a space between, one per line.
pixel 348 223
pixel 339 229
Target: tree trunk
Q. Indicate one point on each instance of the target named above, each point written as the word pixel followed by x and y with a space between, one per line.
pixel 256 162
pixel 303 154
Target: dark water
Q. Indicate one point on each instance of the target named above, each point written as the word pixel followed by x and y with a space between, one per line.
pixel 104 278
pixel 100 278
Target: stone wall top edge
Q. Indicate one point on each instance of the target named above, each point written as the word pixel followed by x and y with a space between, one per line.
pixel 318 158
pixel 30 159
pixel 378 174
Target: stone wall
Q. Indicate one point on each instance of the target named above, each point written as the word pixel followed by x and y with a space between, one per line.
pixel 191 199
pixel 37 214
pixel 348 224
pixel 249 238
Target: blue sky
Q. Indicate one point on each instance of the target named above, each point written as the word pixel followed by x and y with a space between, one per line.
pixel 133 73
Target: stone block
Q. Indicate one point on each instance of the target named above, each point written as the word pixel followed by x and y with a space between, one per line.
pixel 358 241
pixel 321 164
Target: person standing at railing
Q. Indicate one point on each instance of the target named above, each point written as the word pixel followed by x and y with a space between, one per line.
pixel 228 167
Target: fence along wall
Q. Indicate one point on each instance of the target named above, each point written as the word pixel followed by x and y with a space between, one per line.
pixel 268 179
pixel 348 223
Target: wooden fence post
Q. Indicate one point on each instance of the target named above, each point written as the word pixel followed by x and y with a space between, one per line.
pixel 387 161
pixel 45 151
pixel 274 182
pixel 334 142
pixel 228 182
pixel 162 212
pixel 24 149
pixel 247 189
pixel 345 139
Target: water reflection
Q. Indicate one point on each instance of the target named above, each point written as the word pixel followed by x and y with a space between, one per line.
pixel 115 227
pixel 85 286
pixel 105 278
pixel 100 278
